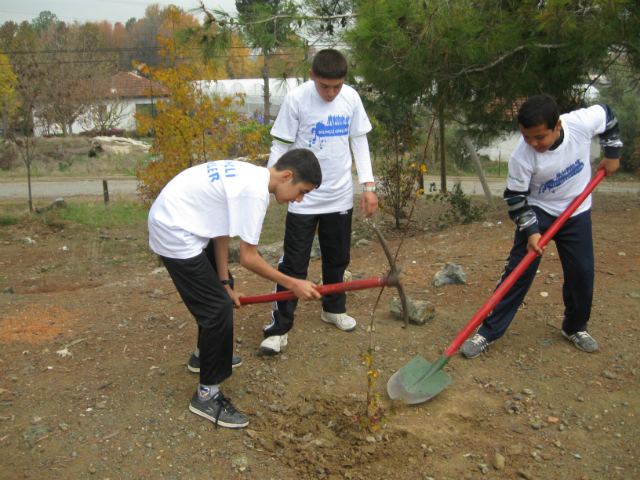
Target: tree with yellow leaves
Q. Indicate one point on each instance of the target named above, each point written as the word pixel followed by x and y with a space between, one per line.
pixel 190 126
pixel 7 91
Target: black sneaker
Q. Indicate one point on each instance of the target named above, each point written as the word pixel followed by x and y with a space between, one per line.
pixel 582 340
pixel 474 346
pixel 194 363
pixel 219 410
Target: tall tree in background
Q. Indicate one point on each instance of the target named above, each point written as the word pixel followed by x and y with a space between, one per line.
pixel 261 31
pixel 265 26
pixel 488 55
pixel 44 21
pixel 30 84
pixel 72 54
pixel 14 37
pixel 238 64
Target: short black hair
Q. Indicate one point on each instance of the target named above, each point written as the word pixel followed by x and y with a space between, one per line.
pixel 329 64
pixel 303 164
pixel 539 110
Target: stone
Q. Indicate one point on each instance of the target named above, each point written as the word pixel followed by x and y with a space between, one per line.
pixel 9 289
pixel 119 145
pixel 526 474
pixel 363 242
pixel 420 311
pixel 307 409
pixel 33 434
pixel 240 462
pixel 498 461
pixel 451 274
pixel 514 449
pixel 609 375
pixel 234 254
pixel 271 253
pixel 58 203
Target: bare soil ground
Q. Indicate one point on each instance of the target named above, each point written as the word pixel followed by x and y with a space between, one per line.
pixel 94 384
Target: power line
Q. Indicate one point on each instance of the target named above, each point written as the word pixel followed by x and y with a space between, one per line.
pixel 125 49
pixel 110 61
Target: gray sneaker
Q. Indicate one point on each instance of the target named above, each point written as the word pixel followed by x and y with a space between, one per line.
pixel 582 340
pixel 474 346
pixel 219 410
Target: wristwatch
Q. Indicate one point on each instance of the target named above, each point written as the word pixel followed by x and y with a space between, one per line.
pixel 373 189
pixel 227 282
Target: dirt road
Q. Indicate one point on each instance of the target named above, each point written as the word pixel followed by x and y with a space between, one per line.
pixel 52 188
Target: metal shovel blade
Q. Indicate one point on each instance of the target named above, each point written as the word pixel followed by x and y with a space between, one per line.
pixel 418 380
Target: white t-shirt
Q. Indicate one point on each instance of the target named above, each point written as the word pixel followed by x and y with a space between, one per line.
pixel 325 128
pixel 557 177
pixel 214 199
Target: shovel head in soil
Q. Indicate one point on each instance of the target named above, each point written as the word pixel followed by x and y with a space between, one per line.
pixel 418 380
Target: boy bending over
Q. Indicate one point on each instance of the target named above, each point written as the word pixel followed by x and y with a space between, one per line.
pixel 189 227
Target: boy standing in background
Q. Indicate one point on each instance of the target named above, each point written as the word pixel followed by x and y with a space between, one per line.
pixel 327 117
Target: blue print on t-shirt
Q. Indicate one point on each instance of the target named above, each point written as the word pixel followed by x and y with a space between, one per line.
pixel 571 171
pixel 336 126
pixel 212 170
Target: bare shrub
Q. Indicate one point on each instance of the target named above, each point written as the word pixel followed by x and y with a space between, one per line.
pixel 8 155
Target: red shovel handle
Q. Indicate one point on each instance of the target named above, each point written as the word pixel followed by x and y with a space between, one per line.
pixel 324 289
pixel 524 263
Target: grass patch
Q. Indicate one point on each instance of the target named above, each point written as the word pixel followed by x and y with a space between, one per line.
pixel 98 215
pixel 6 220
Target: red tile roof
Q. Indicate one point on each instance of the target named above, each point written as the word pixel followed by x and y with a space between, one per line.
pixel 127 85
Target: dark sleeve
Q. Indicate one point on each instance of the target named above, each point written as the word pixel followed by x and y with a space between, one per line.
pixel 609 139
pixel 521 212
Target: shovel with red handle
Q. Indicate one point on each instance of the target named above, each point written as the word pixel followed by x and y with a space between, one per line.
pixel 418 380
pixel 391 279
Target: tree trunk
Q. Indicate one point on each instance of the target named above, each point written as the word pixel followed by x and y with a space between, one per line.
pixel 483 180
pixel 443 163
pixel 265 77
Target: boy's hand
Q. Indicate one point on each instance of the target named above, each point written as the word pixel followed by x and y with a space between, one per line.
pixel 610 165
pixel 235 296
pixel 304 290
pixel 371 200
pixel 532 244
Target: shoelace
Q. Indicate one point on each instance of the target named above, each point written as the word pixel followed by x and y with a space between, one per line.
pixel 223 402
pixel 478 340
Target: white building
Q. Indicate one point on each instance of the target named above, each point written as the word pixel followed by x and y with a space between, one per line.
pixel 253 91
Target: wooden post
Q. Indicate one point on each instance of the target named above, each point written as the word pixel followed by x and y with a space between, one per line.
pixel 105 191
pixel 443 162
pixel 499 154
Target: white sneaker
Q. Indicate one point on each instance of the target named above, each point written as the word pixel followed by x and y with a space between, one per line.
pixel 274 343
pixel 341 320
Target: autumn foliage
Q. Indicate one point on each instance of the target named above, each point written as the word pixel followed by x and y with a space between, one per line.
pixel 192 125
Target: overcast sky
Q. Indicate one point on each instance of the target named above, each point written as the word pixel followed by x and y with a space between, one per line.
pixel 94 10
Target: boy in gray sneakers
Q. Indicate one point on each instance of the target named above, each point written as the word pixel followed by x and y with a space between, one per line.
pixel 548 169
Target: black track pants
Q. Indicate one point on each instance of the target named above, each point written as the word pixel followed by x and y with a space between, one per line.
pixel 334 234
pixel 207 299
pixel 575 249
